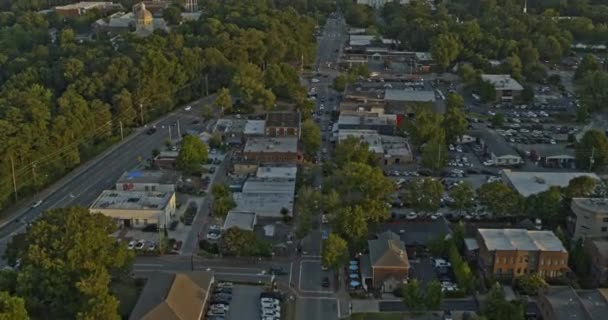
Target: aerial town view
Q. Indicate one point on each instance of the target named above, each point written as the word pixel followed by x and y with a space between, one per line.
pixel 304 160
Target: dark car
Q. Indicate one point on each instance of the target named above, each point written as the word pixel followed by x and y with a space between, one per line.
pixel 151 131
pixel 325 282
pixel 222 290
pixel 222 296
pixel 277 271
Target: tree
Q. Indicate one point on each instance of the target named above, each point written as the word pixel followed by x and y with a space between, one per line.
pixel 11 307
pixel 498 120
pixel 593 90
pixel 593 145
pixel 463 195
pixel 173 15
pixel 545 205
pixel 529 284
pixel 455 124
pixel 433 295
pixel 340 83
pixel 425 194
pixel 427 127
pixel 192 154
pixel 588 64
pixel 413 296
pixel 352 149
pixel 527 95
pixel 68 263
pixel 311 137
pixel 496 307
pixel 123 108
pixel 335 252
pixel 579 260
pixel 486 90
pixel 454 100
pixel 351 224
pixel 582 186
pixel 445 49
pixel 434 155
pixel 207 111
pixel 238 242
pixel 468 74
pixel 215 141
pixel 222 200
pixel 499 198
pixel 223 100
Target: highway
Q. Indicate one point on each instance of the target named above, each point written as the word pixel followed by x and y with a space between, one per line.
pixel 105 170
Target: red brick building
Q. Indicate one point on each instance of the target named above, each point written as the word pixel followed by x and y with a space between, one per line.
pixel 275 150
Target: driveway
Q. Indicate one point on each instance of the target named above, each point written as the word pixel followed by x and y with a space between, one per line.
pixel 245 304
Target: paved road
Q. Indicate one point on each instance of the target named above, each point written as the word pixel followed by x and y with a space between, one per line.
pixel 467 304
pixel 86 186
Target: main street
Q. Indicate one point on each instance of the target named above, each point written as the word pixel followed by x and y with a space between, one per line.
pixel 102 172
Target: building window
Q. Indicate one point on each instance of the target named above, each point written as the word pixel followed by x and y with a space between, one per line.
pixel 136 221
pixel 145 221
pixel 605 219
pixel 549 262
pixel 511 260
pixel 153 188
pixel 504 260
pixel 542 262
pixel 518 271
pixel 604 229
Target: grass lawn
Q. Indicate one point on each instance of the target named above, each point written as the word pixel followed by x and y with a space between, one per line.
pixel 127 293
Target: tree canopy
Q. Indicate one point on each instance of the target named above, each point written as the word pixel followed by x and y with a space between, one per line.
pixel 335 252
pixel 192 155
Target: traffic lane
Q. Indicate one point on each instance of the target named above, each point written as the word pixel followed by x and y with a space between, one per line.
pixel 466 304
pixel 311 276
pixel 245 303
pixel 316 308
pixel 311 244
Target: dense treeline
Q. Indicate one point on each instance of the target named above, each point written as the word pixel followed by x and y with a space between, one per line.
pixel 62 99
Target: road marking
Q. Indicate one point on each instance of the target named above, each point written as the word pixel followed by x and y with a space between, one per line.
pixel 147 265
pixel 338 306
pixel 290 272
pixel 241 274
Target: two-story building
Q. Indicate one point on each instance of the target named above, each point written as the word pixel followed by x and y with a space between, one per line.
pixel 510 253
pixel 283 124
pixel 273 150
pixel 507 89
pixel 597 251
pixel 589 218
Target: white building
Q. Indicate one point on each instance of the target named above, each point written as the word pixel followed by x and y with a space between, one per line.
pixel 136 208
pixel 148 180
pixel 529 183
pixel 507 89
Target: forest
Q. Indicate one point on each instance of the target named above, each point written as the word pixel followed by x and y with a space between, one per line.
pixel 63 100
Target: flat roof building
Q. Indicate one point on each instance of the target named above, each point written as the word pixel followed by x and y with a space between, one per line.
pixel 589 218
pixel 136 208
pixel 499 150
pixel 565 303
pixel 81 8
pixel 507 89
pixel 283 124
pixel 528 183
pixel 244 220
pixel 389 150
pixel 510 253
pixel 264 205
pixel 277 171
pixel 148 180
pixel 273 150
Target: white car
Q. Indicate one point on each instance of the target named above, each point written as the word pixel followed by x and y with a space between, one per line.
pixel 269 300
pixel 214 235
pixel 188 108
pixel 37 204
pixel 442 263
pixel 488 163
pixel 411 215
pixel 324 219
pixel 270 313
pixel 314 80
pixel 132 245
pixel 458 148
pixel 451 147
pixel 152 246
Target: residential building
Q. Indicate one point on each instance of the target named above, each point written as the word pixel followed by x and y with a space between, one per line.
pixel 424 62
pixel 597 251
pixel 497 149
pixel 148 180
pixel 507 89
pixel 509 253
pixel 240 219
pixel 565 303
pixel 388 262
pixel 403 101
pixel 389 150
pixel 73 10
pixel 527 183
pixel 136 208
pixel 277 150
pixel 176 296
pixel 283 124
pixel 589 218
pixel 166 160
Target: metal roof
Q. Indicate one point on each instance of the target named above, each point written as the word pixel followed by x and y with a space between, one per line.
pixel 520 239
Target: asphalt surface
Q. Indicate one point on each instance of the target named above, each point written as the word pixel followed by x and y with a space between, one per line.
pixel 467 304
pixel 103 173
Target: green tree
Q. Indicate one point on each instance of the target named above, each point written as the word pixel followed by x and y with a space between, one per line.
pixel 413 296
pixel 192 154
pixel 498 120
pixel 68 263
pixel 340 83
pixel 499 198
pixel 215 141
pixel 433 295
pixel 527 95
pixel 593 145
pixel 593 90
pixel 223 100
pixel 486 90
pixel 582 186
pixel 529 284
pixel 335 252
pixel 239 242
pixel 445 49
pixel 455 124
pixel 352 149
pixel 173 15
pixel 222 200
pixel 425 194
pixel 463 195
pixel 207 111
pixel 426 127
pixel 454 100
pixel 579 260
pixel 588 64
pixel 11 307
pixel 545 205
pixel 351 224
pixel 434 155
pixel 496 307
pixel 123 108
pixel 311 138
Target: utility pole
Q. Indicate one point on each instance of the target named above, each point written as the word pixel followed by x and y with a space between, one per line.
pixel 122 137
pixel 34 174
pixel 206 84
pixel 439 157
pixel 170 133
pixel 592 158
pixel 141 112
pixel 179 134
pixel 14 179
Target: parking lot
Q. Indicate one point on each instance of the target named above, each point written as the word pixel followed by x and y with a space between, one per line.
pixel 312 282
pixel 245 303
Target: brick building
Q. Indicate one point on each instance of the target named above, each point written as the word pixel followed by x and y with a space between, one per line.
pixel 509 253
pixel 273 150
pixel 387 264
pixel 283 124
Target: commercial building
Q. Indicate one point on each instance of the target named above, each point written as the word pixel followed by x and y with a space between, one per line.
pixel 274 150
pixel 497 149
pixel 270 198
pixel 176 296
pixel 148 180
pixel 166 160
pixel 527 183
pixel 283 124
pixel 597 251
pixel 240 219
pixel 565 303
pixel 509 253
pixel 388 262
pixel 80 8
pixel 383 124
pixel 507 89
pixel 589 218
pixel 136 208
pixel 389 150
pixel 277 171
pixel 403 101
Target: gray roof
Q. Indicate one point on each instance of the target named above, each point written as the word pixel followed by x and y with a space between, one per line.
pixel 471 244
pixel 263 144
pixel 149 176
pixel 240 219
pixel 277 171
pixel 570 304
pixel 254 127
pixel 418 233
pixel 387 253
pixel 521 239
pixel 502 82
pixel 153 294
pixel 528 183
pixel 409 95
pixel 283 119
pixel 595 205
pixel 495 143
pixel 270 185
pixel 265 205
pixel 131 200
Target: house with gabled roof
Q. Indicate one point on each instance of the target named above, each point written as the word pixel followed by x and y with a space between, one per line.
pixel 388 261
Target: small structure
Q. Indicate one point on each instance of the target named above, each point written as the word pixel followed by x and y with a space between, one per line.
pixel 589 218
pixel 166 160
pixel 507 89
pixel 498 150
pixel 528 183
pixel 240 219
pixel 136 208
pixel 274 150
pixel 389 262
pixel 510 253
pixel 148 180
pixel 389 150
pixel 403 101
pixel 277 171
pixel 565 303
pixel 283 124
pixel 597 251
pixel 177 296
pixel 73 10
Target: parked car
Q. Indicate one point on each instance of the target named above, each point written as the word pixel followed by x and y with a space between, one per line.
pixel 277 271
pixel 140 244
pixel 325 282
pixel 132 245
pixel 213 235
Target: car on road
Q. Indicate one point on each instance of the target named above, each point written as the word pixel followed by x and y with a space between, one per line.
pixel 324 234
pixel 411 215
pixel 270 313
pixel 277 271
pixel 213 235
pixel 324 219
pixel 269 300
pixel 151 131
pixel 315 80
pixel 188 108
pixel 325 282
pixel 37 204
